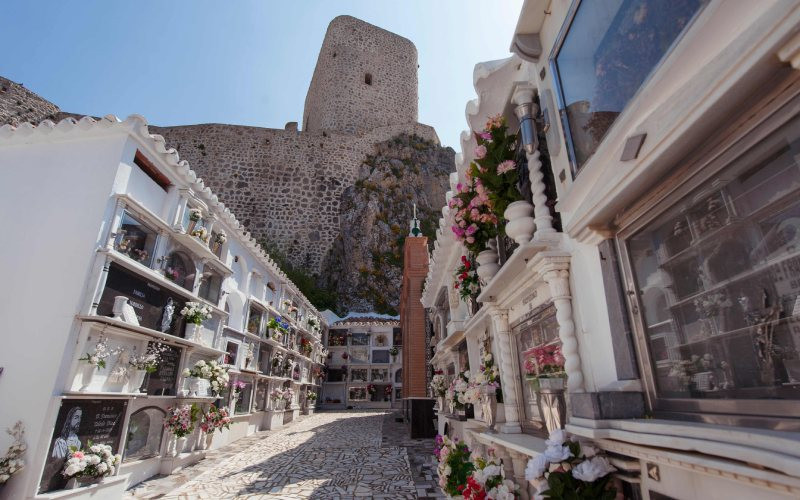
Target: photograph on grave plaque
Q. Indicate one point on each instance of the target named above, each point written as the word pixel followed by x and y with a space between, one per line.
pixel 80 421
pixel 162 382
pixel 145 430
pixel 155 306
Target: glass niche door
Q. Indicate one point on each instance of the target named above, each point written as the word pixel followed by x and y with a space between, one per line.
pixel 717 277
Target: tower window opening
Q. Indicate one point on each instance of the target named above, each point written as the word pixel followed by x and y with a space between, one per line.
pixel 368 78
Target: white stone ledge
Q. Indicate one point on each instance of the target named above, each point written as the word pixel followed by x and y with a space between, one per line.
pixel 776 450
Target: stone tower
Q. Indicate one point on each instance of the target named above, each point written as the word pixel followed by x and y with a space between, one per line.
pixel 366 77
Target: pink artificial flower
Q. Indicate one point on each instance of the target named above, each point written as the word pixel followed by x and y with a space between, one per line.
pixel 472 229
pixel 470 240
pixel 78 454
pixel 474 214
pixel 480 151
pixel 486 136
pixel 459 186
pixel 506 166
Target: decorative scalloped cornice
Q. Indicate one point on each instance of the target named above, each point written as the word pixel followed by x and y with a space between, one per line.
pixel 136 125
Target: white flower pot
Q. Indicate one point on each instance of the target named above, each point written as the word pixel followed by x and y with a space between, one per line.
pixel 487 265
pixel 180 445
pixel 520 225
pixel 87 371
pixel 136 381
pixel 194 333
pixel 194 386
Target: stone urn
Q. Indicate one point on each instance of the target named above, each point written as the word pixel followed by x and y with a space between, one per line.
pixel 487 264
pixel 521 225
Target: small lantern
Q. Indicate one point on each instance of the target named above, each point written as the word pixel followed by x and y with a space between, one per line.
pixel 527 126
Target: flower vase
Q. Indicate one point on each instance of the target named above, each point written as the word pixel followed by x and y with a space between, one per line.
pixel 487 265
pixel 194 386
pixel 208 439
pixel 87 371
pixel 552 402
pixel 520 226
pixel 180 445
pixel 79 482
pixel 194 333
pixel 136 380
pixel 440 403
pixel 488 408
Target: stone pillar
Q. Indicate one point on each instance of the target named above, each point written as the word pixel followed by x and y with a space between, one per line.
pixel 519 461
pixel 508 373
pixel 116 224
pixel 101 285
pixel 183 200
pixel 556 274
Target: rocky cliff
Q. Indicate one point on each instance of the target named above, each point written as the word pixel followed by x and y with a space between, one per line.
pixel 364 266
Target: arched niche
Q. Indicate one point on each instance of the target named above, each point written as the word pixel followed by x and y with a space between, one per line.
pixel 145 433
pixel 180 268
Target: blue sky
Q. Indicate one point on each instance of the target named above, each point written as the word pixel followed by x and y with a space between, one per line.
pixel 242 62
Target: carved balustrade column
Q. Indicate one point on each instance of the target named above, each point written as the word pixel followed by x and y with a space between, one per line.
pixel 556 274
pixel 519 461
pixel 526 110
pixel 508 373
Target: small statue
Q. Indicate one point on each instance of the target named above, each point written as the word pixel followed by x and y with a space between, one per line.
pixel 166 317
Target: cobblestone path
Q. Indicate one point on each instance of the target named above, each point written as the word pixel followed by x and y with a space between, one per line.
pixel 330 455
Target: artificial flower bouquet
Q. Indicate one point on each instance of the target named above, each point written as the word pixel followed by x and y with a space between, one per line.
pixel 195 312
pixel 311 397
pixel 394 351
pixel 305 346
pixel 544 362
pixel 276 394
pixel 149 359
pixel 570 470
pixel 237 386
pixel 455 465
pixel 387 391
pixel 474 220
pixel 371 389
pixel 201 233
pixel 97 460
pixel 220 237
pixel 215 419
pixel 180 420
pixel 195 214
pixel 488 480
pixel 467 282
pixel 213 371
pixel 495 164
pixel 278 324
pixel 439 385
pixel 12 461
pixel 100 354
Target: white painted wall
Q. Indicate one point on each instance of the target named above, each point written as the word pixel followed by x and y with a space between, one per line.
pixel 55 199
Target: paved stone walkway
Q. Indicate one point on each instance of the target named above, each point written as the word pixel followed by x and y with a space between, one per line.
pixel 330 455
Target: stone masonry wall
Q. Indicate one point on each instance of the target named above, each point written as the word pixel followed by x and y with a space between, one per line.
pixel 19 105
pixel 339 98
pixel 283 185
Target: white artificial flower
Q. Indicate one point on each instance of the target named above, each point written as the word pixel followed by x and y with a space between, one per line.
pixel 102 468
pixel 556 453
pixel 592 469
pixel 557 438
pixel 588 450
pixel 536 467
pixel 187 372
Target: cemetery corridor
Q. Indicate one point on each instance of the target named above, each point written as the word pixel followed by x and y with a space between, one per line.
pixel 328 455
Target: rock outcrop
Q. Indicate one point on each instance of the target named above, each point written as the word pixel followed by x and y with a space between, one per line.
pixel 364 267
